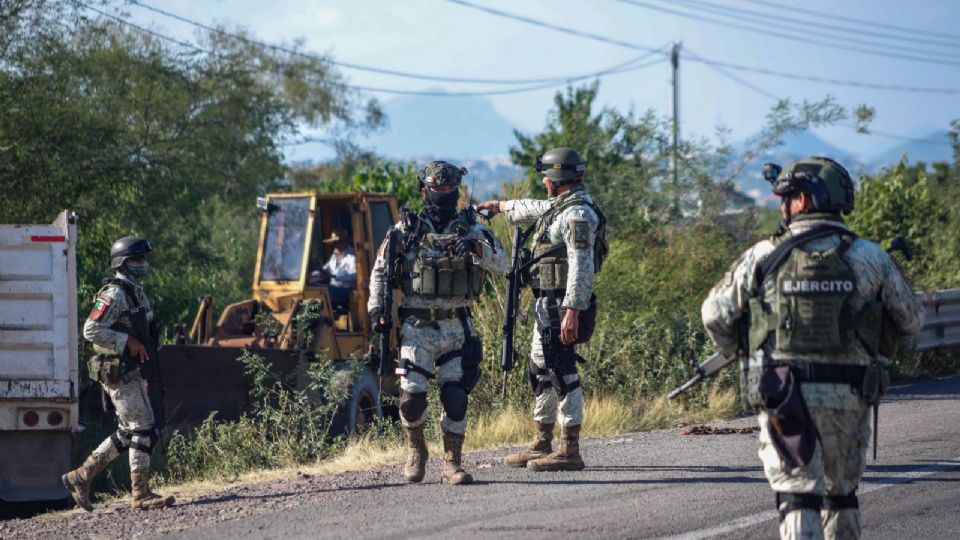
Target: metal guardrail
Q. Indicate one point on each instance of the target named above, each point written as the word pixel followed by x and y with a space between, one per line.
pixel 941 325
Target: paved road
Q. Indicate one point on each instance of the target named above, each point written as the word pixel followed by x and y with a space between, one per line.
pixel 658 484
pixel 649 485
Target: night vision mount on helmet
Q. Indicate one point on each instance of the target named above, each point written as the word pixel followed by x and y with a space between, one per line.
pixel 128 247
pixel 561 165
pixel 826 182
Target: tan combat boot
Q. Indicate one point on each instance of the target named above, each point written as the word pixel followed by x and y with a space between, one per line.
pixel 540 447
pixel 78 481
pixel 143 498
pixel 567 458
pixel 453 472
pixel 416 465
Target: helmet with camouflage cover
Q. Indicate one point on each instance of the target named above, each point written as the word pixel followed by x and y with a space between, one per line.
pixel 561 165
pixel 826 182
pixel 441 173
pixel 128 247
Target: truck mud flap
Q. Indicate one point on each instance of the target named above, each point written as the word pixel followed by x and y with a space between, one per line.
pixel 200 380
pixel 31 463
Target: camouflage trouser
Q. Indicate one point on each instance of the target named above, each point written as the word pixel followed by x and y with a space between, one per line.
pixel 545 408
pixel 134 419
pixel 421 343
pixel 842 420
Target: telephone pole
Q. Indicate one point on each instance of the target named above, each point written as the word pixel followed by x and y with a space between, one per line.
pixel 675 62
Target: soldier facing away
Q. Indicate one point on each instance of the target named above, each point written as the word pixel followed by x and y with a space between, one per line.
pixel 813 309
pixel 442 263
pixel 115 331
pixel 568 249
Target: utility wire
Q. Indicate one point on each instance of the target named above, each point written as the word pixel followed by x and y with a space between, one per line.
pixel 624 67
pixel 780 20
pixel 729 65
pixel 834 16
pixel 359 67
pixel 802 37
pixel 721 70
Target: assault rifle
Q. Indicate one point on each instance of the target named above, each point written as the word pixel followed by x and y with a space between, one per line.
pixel 386 303
pixel 510 306
pixel 150 369
pixel 708 368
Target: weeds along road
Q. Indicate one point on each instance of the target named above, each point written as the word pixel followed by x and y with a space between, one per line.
pixel 656 484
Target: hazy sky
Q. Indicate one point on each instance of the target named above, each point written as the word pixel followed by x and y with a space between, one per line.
pixel 443 38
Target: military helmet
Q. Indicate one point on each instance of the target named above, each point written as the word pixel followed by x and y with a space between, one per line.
pixel 826 182
pixel 561 165
pixel 441 173
pixel 128 247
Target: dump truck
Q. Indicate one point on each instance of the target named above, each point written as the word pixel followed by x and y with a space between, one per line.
pixel 39 384
pixel 200 370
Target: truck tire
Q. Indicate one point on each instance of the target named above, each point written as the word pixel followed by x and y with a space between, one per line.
pixel 357 412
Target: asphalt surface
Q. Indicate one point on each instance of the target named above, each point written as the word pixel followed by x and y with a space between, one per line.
pixel 659 484
pixel 649 485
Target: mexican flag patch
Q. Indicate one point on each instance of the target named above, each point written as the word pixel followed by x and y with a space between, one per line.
pixel 99 308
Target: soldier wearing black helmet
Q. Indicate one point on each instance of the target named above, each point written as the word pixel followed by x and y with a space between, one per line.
pixel 442 261
pixel 811 312
pixel 114 328
pixel 569 246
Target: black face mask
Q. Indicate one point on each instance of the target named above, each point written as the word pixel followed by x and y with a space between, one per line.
pixel 441 207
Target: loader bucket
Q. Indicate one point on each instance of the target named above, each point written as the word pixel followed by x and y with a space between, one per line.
pixel 200 379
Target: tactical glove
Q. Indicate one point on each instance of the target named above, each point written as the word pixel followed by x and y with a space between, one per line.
pixel 465 245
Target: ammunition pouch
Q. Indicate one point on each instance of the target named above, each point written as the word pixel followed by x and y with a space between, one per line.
pixel 109 369
pixel 875 382
pixel 586 318
pixel 550 270
pixel 429 270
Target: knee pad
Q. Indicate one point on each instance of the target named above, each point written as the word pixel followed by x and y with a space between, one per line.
pixel 144 441
pixel 841 502
pixel 412 405
pixel 453 397
pixel 788 502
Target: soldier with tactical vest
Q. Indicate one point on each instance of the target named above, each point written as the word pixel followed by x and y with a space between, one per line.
pixel 812 312
pixel 117 326
pixel 441 265
pixel 569 246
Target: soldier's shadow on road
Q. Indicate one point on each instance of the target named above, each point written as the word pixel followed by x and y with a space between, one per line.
pixel 719 475
pixel 230 497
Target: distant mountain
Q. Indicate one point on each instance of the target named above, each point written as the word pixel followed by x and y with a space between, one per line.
pixel 444 127
pixel 926 148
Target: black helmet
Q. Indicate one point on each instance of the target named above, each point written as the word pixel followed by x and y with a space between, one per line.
pixel 441 173
pixel 128 247
pixel 826 182
pixel 561 165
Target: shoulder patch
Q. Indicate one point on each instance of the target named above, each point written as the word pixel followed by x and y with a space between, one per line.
pixel 581 234
pixel 100 307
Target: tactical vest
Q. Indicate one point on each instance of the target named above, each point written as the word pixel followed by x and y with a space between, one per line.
pixel 811 314
pixel 429 269
pixel 549 269
pixel 107 365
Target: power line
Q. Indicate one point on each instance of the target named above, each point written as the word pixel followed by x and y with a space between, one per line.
pixel 729 65
pixel 557 28
pixel 799 37
pixel 359 67
pixel 624 67
pixel 915 38
pixel 719 69
pixel 834 16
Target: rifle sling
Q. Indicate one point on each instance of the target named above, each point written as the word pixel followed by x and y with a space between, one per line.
pixel 779 255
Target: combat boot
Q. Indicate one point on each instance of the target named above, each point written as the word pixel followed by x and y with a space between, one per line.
pixel 540 447
pixel 416 465
pixel 143 498
pixel 453 472
pixel 78 481
pixel 566 458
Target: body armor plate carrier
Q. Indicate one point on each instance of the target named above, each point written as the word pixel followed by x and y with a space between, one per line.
pixel 549 269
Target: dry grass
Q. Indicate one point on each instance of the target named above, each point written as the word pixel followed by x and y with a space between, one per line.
pixel 512 427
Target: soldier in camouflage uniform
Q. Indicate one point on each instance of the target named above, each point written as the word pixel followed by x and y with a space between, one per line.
pixel 812 312
pixel 568 248
pixel 116 366
pixel 441 265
